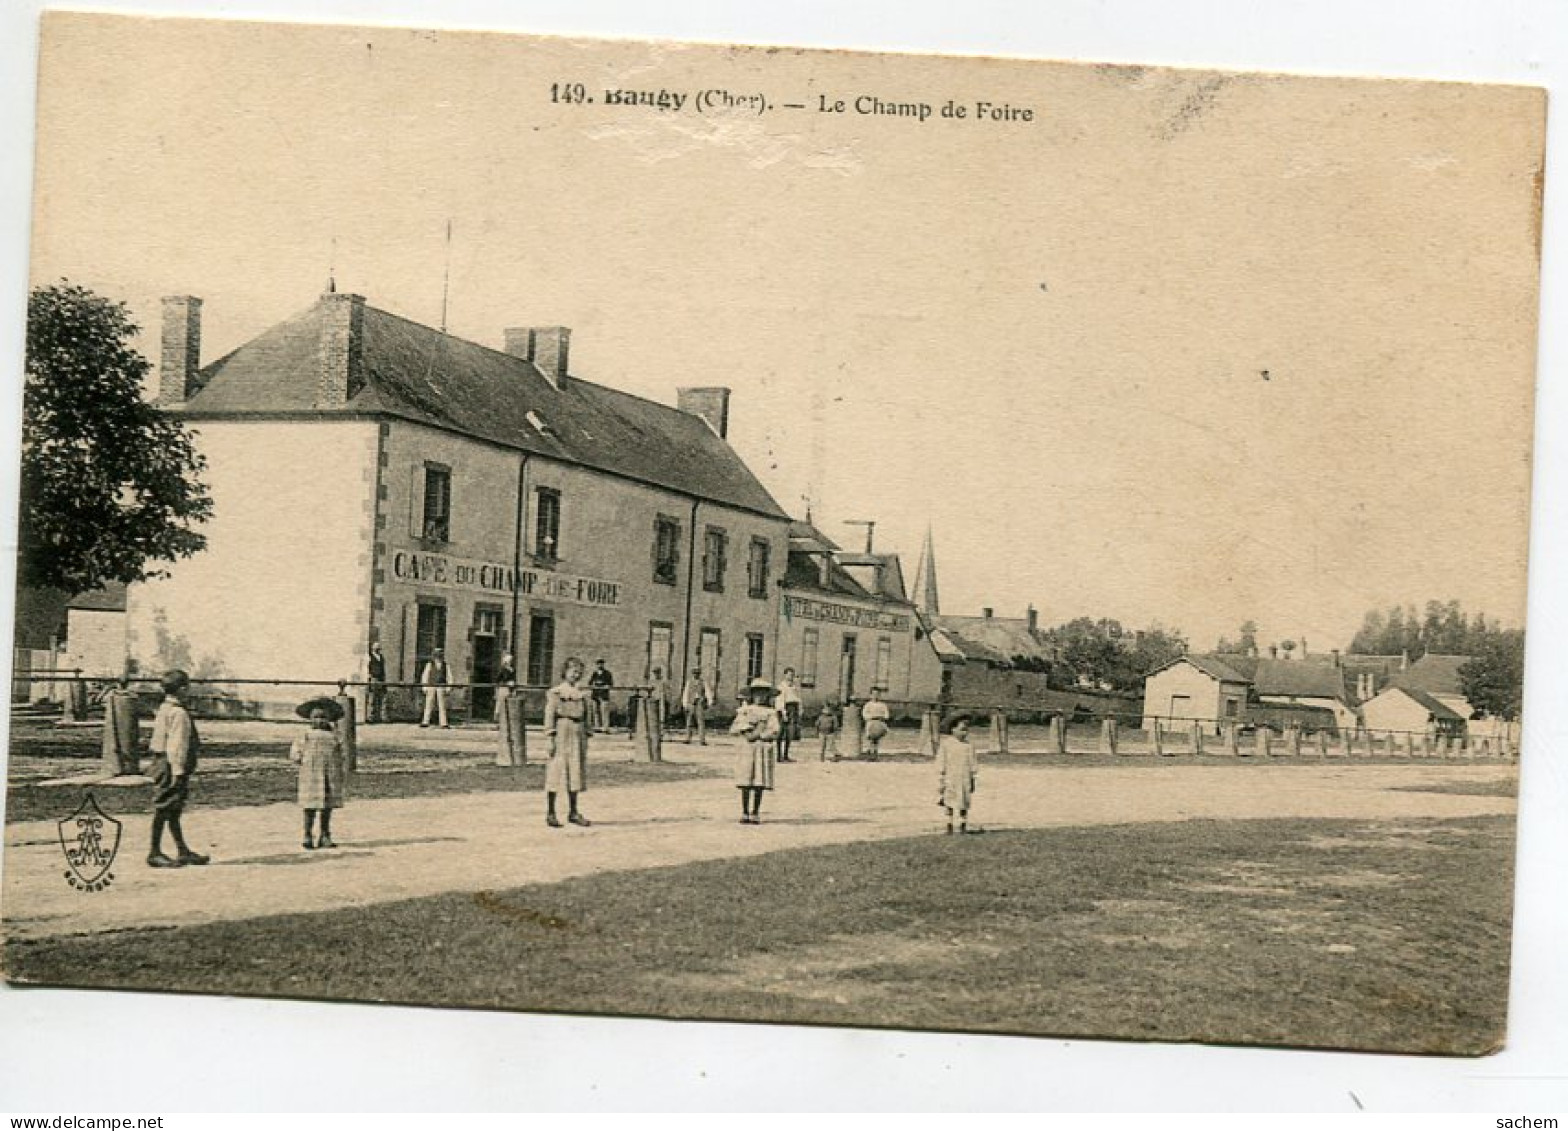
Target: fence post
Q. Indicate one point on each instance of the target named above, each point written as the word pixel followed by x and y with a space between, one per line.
pixel 1342 745
pixel 76 698
pixel 653 735
pixel 930 725
pixel 1407 745
pixel 1232 745
pixel 120 733
pixel 1056 735
pixel 1322 744
pixel 1441 749
pixel 1197 737
pixel 1157 738
pixel 347 726
pixel 1108 736
pixel 853 736
pixel 1293 741
pixel 1263 742
pixel 512 734
pixel 999 731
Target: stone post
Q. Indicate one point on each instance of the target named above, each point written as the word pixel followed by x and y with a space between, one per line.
pixel 347 726
pixel 1108 736
pixel 512 734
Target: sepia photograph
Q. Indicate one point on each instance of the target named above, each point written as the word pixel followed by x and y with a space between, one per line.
pixel 861 540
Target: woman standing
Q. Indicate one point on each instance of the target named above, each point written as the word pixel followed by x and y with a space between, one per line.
pixel 955 768
pixel 789 713
pixel 319 755
pixel 566 722
pixel 757 722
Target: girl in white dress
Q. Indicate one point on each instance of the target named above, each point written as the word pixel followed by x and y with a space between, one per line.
pixel 955 768
pixel 566 725
pixel 757 722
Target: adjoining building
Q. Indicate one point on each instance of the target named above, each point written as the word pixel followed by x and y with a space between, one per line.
pixel 847 626
pixel 1410 709
pixel 1196 687
pixel 1250 690
pixel 374 479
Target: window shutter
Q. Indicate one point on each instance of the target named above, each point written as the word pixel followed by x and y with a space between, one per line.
pixel 416 501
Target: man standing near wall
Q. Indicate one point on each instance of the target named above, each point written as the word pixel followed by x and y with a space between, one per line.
pixel 696 696
pixel 376 692
pixel 600 683
pixel 434 681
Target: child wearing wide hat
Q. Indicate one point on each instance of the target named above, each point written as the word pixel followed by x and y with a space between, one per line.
pixel 758 724
pixel 322 771
pixel 955 769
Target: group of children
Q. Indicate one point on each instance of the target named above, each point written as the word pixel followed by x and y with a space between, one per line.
pixel 764 720
pixel 768 721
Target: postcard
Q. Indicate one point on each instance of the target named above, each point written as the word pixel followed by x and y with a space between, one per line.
pixel 798 536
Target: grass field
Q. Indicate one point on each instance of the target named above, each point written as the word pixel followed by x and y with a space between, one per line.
pixel 1339 934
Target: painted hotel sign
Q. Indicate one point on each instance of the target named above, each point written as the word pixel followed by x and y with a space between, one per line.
pixel 489 577
pixel 811 609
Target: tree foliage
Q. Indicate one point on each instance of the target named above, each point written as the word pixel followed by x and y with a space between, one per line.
pixel 1443 627
pixel 1493 678
pixel 1102 654
pixel 110 486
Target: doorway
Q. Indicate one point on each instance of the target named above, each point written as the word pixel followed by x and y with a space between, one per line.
pixel 486 663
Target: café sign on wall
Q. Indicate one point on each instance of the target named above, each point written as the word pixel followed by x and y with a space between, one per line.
pixel 415 568
pixel 812 609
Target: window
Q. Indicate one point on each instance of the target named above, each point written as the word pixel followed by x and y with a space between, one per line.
pixel 547 524
pixel 1232 708
pixel 541 650
pixel 714 547
pixel 429 634
pixel 811 641
pixel 710 654
pixel 884 663
pixel 666 549
pixel 753 656
pixel 437 520
pixel 757 568
pixel 661 647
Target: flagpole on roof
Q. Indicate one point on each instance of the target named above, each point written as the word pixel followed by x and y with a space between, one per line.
pixel 446 273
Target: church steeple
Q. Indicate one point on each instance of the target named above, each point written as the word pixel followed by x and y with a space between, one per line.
pixel 925 579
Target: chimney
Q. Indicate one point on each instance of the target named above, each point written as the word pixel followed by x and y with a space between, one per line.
pixel 1034 619
pixel 1336 657
pixel 179 374
pixel 342 359
pixel 712 404
pixel 519 342
pixel 548 347
pixel 986 612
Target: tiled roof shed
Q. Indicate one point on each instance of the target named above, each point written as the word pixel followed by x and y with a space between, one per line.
pixel 417 373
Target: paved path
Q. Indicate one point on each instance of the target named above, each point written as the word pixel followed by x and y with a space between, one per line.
pixel 404 848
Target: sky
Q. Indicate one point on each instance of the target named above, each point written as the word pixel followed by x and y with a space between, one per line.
pixel 1179 349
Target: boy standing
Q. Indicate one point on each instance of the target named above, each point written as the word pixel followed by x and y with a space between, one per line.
pixel 175 746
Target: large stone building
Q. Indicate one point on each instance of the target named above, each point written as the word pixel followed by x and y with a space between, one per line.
pixel 374 479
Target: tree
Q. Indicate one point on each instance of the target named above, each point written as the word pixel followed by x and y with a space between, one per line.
pixel 110 485
pixel 1103 654
pixel 1493 679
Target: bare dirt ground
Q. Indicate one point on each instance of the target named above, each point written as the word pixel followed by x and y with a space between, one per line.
pixel 397 848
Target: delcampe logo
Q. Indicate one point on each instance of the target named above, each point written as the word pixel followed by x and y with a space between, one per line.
pixel 90 838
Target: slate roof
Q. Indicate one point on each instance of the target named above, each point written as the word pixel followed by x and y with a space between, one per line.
pixel 1437 707
pixel 804 572
pixel 887 567
pixel 417 373
pixel 1211 665
pixel 994 640
pixel 1434 674
pixel 1303 679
